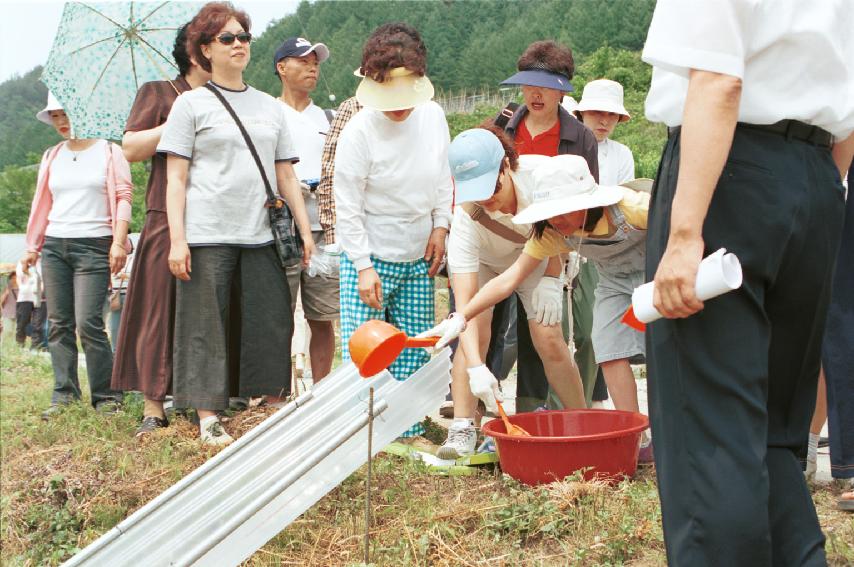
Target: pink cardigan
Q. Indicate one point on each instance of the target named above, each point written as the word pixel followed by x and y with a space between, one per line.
pixel 119 193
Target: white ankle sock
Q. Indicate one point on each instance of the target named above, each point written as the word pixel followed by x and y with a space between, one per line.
pixel 812 447
pixel 462 422
pixel 204 422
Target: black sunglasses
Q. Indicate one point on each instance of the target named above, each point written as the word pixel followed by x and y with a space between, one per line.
pixel 227 38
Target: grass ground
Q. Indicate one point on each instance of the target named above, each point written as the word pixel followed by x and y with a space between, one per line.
pixel 65 482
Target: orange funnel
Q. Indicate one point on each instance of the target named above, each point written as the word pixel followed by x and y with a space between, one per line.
pixel 632 321
pixel 375 345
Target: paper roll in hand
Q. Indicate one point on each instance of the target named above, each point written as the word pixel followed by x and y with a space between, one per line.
pixel 717 274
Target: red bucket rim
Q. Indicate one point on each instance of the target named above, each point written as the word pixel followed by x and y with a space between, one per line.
pixel 488 429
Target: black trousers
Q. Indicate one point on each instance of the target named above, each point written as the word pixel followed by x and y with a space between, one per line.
pixel 211 347
pixel 732 388
pixel 26 314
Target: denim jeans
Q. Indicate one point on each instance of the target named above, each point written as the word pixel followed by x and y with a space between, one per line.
pixel 76 279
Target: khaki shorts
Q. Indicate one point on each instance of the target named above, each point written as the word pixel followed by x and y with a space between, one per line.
pixel 525 291
pixel 320 295
pixel 612 340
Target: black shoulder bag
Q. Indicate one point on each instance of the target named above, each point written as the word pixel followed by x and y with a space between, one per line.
pixel 289 246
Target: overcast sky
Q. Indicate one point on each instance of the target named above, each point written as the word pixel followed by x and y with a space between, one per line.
pixel 28 28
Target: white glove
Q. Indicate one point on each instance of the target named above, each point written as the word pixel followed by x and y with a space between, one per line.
pixel 447 330
pixel 484 386
pixel 548 300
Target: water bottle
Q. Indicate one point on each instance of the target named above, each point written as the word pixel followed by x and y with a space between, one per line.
pixel 325 261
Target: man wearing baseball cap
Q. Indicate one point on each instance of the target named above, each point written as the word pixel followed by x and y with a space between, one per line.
pixel 297 64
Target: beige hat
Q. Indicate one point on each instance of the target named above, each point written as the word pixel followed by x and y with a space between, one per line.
pixel 563 184
pixel 402 89
pixel 603 95
pixel 52 104
pixel 640 184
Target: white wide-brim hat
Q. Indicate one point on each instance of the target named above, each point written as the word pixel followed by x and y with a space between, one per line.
pixel 52 104
pixel 562 185
pixel 603 95
pixel 402 89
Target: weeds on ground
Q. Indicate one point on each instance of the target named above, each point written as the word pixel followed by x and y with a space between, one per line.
pixel 65 482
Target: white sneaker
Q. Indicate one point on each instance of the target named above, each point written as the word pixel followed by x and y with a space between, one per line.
pixel 461 442
pixel 213 432
pixel 812 467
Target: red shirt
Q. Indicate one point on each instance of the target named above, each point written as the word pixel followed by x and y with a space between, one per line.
pixel 544 144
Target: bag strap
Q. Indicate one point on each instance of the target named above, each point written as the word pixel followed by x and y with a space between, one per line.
pixel 270 195
pixel 478 214
pixel 506 114
pixel 330 116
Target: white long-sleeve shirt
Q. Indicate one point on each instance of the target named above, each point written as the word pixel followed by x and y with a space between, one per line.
pixel 392 184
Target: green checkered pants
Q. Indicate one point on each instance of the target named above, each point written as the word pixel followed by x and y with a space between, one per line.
pixel 408 301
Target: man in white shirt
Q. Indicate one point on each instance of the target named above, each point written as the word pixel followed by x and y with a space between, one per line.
pixel 297 63
pixel 757 99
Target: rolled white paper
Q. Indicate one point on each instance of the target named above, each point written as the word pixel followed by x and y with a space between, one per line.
pixel 717 274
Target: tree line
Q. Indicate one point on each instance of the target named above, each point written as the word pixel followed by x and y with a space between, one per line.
pixel 472 45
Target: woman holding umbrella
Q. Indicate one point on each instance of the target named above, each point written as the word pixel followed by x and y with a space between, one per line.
pixel 219 229
pixel 79 225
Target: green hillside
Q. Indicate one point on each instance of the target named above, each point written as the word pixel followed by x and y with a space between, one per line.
pixel 472 46
pixel 22 137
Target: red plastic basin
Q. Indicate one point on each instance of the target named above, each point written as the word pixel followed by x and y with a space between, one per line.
pixel 605 442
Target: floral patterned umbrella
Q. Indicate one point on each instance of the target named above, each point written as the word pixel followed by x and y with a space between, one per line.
pixel 103 52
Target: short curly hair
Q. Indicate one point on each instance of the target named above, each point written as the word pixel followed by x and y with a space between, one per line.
pixel 547 55
pixel 390 46
pixel 506 142
pixel 203 28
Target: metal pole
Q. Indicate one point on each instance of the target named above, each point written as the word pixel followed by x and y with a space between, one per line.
pixel 368 479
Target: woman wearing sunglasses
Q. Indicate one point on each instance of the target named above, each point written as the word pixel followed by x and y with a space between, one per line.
pixel 493 182
pixel 222 248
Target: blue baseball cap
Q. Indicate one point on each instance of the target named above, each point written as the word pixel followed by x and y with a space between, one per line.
pixel 299 47
pixel 475 157
pixel 541 78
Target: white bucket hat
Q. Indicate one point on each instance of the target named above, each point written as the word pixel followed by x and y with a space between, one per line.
pixel 603 95
pixel 563 184
pixel 569 104
pixel 52 104
pixel 401 89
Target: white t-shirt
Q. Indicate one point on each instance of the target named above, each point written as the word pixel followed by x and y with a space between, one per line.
pixel 308 132
pixel 392 184
pixel 616 163
pixel 795 58
pixel 78 186
pixel 225 191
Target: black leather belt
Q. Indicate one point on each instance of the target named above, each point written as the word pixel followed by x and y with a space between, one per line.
pixel 790 129
pixel 795 130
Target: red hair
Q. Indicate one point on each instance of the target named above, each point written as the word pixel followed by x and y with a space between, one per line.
pixel 203 28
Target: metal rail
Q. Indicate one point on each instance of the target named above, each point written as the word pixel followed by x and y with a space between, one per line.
pixel 234 503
